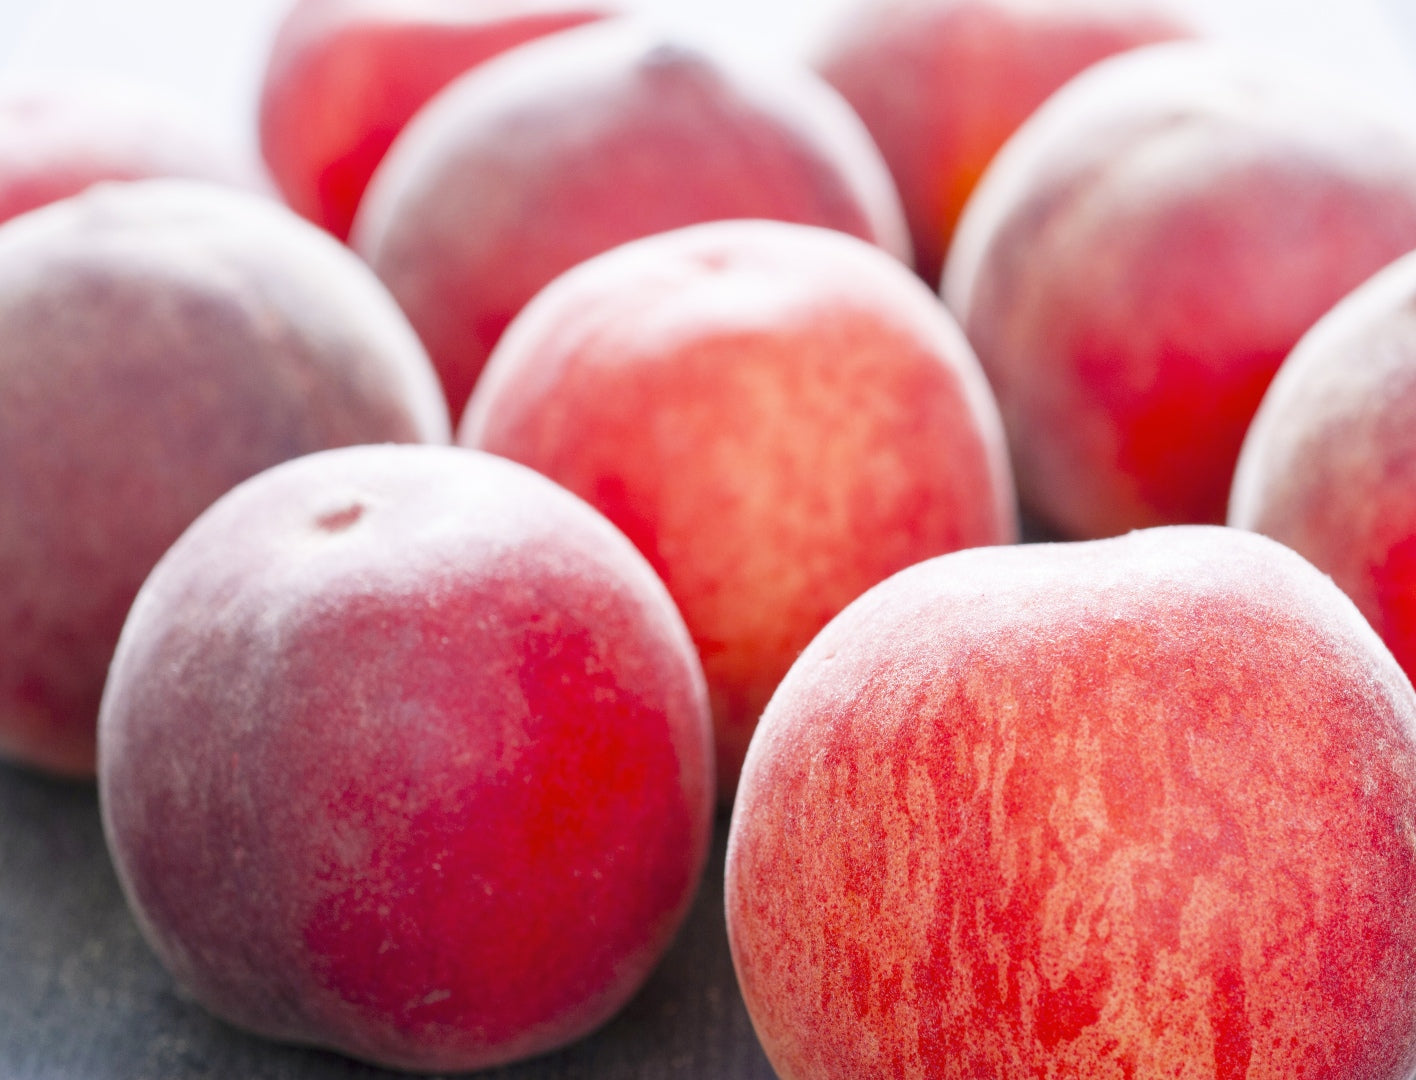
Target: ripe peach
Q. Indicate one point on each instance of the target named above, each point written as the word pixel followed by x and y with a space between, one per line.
pixel 160 341
pixel 1144 253
pixel 1140 807
pixel 405 752
pixel 56 141
pixel 345 76
pixel 941 84
pixel 778 416
pixel 566 147
pixel 1329 465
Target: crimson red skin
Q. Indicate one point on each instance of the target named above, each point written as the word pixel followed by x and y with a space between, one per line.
pixel 778 416
pixel 941 84
pixel 57 141
pixel 572 145
pixel 344 77
pixel 1118 270
pixel 406 753
pixel 159 342
pixel 1134 807
pixel 1328 466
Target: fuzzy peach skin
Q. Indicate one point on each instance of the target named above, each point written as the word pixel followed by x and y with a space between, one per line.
pixel 1141 807
pixel 571 145
pixel 406 753
pixel 1329 465
pixel 57 139
pixel 1142 255
pixel 344 76
pixel 779 416
pixel 159 342
pixel 941 84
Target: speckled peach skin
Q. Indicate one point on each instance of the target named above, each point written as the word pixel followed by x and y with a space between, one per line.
pixel 1329 465
pixel 778 416
pixel 941 84
pixel 406 753
pixel 56 140
pixel 1134 808
pixel 1143 254
pixel 161 341
pixel 572 145
pixel 344 77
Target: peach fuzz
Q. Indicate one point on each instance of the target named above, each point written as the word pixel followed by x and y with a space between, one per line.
pixel 57 139
pixel 569 146
pixel 778 416
pixel 1329 465
pixel 941 84
pixel 344 76
pixel 162 340
pixel 1142 255
pixel 406 753
pixel 1137 807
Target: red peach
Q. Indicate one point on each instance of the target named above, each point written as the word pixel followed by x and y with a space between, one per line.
pixel 344 76
pixel 56 141
pixel 1140 807
pixel 778 416
pixel 405 753
pixel 566 147
pixel 1144 253
pixel 1329 465
pixel 941 84
pixel 160 341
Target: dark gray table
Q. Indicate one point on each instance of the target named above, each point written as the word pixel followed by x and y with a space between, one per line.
pixel 82 998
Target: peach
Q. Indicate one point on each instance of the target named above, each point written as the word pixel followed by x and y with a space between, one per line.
pixel 941 84
pixel 1329 465
pixel 344 76
pixel 1138 807
pixel 779 416
pixel 405 753
pixel 1144 253
pixel 56 140
pixel 571 145
pixel 159 342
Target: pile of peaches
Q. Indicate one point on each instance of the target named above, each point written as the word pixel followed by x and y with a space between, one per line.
pixel 594 432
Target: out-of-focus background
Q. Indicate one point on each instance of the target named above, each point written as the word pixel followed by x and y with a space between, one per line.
pixel 212 51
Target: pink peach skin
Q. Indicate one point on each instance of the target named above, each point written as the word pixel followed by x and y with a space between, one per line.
pixel 406 753
pixel 1329 465
pixel 941 84
pixel 162 340
pixel 344 77
pixel 55 141
pixel 572 145
pixel 1140 807
pixel 778 416
pixel 1143 254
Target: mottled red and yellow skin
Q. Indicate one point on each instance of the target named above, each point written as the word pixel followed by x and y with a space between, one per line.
pixel 344 76
pixel 569 146
pixel 161 341
pixel 778 416
pixel 1143 254
pixel 406 753
pixel 1134 808
pixel 941 84
pixel 55 141
pixel 1329 465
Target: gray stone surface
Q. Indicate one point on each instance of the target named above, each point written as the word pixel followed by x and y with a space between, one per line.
pixel 82 997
